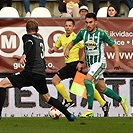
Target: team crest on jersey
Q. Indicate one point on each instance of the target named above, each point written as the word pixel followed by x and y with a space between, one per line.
pixel 90 44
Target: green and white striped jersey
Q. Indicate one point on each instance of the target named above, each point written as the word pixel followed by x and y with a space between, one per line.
pixel 94 44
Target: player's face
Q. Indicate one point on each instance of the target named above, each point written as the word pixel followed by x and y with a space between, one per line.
pixel 90 24
pixel 69 27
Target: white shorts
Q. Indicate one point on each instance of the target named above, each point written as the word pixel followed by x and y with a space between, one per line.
pixel 96 71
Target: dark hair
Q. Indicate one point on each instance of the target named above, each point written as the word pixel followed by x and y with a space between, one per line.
pixel 91 15
pixel 32 25
pixel 69 19
pixel 116 15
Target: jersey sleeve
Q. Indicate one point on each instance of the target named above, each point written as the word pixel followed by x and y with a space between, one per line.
pixel 81 44
pixel 58 43
pixel 28 42
pixel 108 39
pixel 78 37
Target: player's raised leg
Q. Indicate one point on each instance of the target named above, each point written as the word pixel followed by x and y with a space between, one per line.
pixel 57 104
pixel 104 104
pixel 110 93
pixel 2 99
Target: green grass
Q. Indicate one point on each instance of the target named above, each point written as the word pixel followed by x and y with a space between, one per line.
pixel 81 125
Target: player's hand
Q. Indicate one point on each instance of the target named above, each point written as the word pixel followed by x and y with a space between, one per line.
pixel 23 59
pixel 80 67
pixel 50 50
pixel 16 57
pixel 66 54
pixel 117 65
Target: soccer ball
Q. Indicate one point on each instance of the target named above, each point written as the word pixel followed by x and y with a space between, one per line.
pixel 54 113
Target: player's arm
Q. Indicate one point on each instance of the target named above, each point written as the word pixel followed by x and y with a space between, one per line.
pixel 28 42
pixel 111 43
pixel 17 57
pixel 76 40
pixel 23 59
pixel 117 59
pixel 80 65
pixel 52 50
pixel 56 46
pixel 68 48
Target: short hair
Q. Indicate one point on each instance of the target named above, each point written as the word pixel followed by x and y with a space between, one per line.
pixel 71 20
pixel 91 15
pixel 32 25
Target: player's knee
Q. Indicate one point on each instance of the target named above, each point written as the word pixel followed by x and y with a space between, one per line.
pixel 101 87
pixel 45 97
pixel 86 81
pixel 55 80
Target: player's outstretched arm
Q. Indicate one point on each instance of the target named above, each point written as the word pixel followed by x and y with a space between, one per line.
pixel 69 46
pixel 52 50
pixel 117 59
pixel 81 64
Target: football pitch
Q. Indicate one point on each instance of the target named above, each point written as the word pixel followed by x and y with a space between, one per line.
pixel 80 125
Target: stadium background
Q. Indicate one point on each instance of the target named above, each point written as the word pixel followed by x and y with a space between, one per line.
pixel 27 102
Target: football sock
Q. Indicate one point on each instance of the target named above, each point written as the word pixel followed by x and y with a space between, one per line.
pixel 90 93
pixel 2 98
pixel 57 104
pixel 61 89
pixel 98 97
pixel 110 93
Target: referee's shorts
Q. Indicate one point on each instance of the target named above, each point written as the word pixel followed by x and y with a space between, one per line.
pixel 68 71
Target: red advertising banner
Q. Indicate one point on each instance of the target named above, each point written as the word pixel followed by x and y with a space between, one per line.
pixel 12 30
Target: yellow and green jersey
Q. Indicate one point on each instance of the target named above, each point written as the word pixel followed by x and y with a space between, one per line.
pixel 63 41
pixel 94 44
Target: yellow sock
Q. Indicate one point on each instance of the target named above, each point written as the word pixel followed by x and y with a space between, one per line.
pixel 61 89
pixel 98 97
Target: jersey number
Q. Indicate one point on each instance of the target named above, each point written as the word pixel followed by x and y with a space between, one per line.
pixel 42 50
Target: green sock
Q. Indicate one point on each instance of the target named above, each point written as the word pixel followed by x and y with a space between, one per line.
pixel 110 93
pixel 90 93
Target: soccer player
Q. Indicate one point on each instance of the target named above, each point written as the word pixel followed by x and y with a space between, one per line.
pixel 94 39
pixel 70 69
pixel 34 72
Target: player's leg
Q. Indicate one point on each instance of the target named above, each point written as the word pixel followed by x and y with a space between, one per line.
pixel 2 99
pixel 66 72
pixel 41 87
pixel 3 85
pixel 110 93
pixel 90 96
pixel 61 88
pixel 98 97
pixel 104 104
pixel 93 74
pixel 57 104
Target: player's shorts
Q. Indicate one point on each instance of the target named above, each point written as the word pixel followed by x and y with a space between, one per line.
pixel 96 71
pixel 68 71
pixel 25 79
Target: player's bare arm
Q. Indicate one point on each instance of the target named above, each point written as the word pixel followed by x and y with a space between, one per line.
pixel 52 50
pixel 81 64
pixel 69 46
pixel 23 59
pixel 17 57
pixel 117 59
